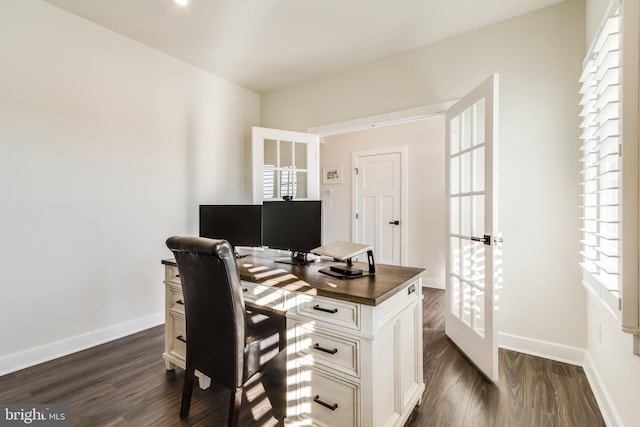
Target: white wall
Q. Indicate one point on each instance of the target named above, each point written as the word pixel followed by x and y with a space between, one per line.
pixel 612 368
pixel 424 140
pixel 611 364
pixel 539 58
pixel 106 148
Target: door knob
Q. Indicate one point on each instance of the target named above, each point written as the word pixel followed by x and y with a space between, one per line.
pixel 396 222
pixel 485 239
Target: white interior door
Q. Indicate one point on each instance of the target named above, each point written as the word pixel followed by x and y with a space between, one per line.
pixel 379 219
pixel 285 164
pixel 473 265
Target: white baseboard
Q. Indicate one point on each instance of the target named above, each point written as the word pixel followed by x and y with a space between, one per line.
pixel 432 283
pixel 548 350
pixel 607 408
pixel 34 356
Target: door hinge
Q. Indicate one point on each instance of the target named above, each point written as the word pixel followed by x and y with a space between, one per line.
pixel 356 216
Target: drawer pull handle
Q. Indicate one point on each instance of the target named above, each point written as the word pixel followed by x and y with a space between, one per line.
pixel 181 338
pixel 316 346
pixel 245 290
pixel 177 275
pixel 180 302
pixel 326 310
pixel 325 404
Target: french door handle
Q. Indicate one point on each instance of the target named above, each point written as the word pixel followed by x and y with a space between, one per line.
pixel 396 222
pixel 486 239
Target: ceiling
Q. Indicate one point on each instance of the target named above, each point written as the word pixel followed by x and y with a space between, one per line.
pixel 265 45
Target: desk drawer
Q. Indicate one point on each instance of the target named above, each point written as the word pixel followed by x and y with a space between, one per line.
pixel 171 274
pixel 176 300
pixel 336 353
pixel 332 402
pixel 328 310
pixel 178 336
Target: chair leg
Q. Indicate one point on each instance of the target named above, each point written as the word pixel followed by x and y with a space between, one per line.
pixel 234 407
pixel 187 390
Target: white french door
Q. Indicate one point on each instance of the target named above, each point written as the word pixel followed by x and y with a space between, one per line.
pixel 473 240
pixel 284 164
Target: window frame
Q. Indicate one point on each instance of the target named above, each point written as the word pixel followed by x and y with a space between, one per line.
pixel 623 302
pixel 312 170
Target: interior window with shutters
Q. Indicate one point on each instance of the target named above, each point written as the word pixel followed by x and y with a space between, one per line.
pixel 609 190
pixel 285 170
pixel 285 165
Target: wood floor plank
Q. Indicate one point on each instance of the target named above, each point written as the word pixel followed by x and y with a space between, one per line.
pixel 124 383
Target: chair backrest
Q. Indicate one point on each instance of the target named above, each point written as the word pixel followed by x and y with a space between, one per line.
pixel 214 307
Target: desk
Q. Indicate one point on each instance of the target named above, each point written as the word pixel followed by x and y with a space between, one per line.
pixel 354 352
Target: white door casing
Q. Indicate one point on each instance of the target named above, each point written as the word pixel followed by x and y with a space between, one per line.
pixel 379 203
pixel 473 266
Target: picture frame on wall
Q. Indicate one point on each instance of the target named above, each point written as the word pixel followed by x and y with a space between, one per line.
pixel 332 175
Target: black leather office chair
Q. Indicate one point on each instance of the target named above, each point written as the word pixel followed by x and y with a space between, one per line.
pixel 225 341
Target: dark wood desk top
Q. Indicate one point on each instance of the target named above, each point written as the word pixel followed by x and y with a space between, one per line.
pixel 260 267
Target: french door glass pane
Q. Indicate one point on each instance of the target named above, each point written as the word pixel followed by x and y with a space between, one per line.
pixel 287 184
pixel 477 227
pixel 478 169
pixel 454 216
pixel 268 182
pixel 301 155
pixel 479 123
pixel 466 303
pixel 466 258
pixel 465 167
pixel 454 255
pixel 454 136
pixel 478 312
pixel 466 130
pixel 301 185
pixel 454 175
pixel 271 152
pixel 286 154
pixel 465 216
pixel 455 296
pixel 478 270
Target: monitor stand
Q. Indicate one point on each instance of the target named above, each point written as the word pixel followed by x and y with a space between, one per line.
pixel 297 258
pixel 349 272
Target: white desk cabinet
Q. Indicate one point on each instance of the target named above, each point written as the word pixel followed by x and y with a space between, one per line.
pixel 354 352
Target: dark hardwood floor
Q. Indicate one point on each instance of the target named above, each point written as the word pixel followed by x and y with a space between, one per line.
pixel 124 382
pixel 531 391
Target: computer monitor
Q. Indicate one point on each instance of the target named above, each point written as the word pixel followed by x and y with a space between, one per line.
pixel 294 225
pixel 240 225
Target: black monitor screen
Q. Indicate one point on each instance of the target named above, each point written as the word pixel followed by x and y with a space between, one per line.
pixel 294 225
pixel 240 225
